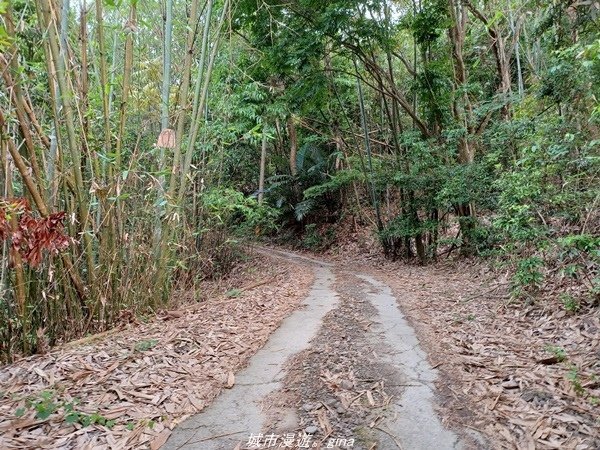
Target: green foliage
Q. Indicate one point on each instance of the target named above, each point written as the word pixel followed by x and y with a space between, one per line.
pixel 231 208
pixel 574 245
pixel 143 346
pixel 4 38
pixel 430 22
pixel 312 240
pixel 315 240
pixel 338 181
pixel 233 293
pixel 528 276
pixel 558 352
pixel 570 303
pixel 463 184
pixel 86 420
pixel 575 379
pixel 456 160
pixel 46 404
pixel 320 189
pixel 520 195
pixel 406 226
pixel 434 87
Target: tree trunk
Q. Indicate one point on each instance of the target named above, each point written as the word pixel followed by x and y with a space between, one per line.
pixel 183 108
pixel 291 125
pixel 363 116
pixel 199 103
pixel 130 27
pixel 499 51
pixel 263 160
pixel 103 81
pixel 166 84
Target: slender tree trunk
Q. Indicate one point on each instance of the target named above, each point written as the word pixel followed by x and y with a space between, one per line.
pixel 183 108
pixel 38 200
pixel 199 105
pixel 105 217
pixel 130 28
pixel 164 115
pixel 13 80
pixel 363 116
pixel 5 179
pixel 84 95
pixel 20 291
pixel 55 148
pixel 291 125
pixel 263 160
pixel 166 85
pixel 184 105
pixel 515 29
pixel 462 109
pixel 65 101
pixel 201 63
pixel 15 257
pixel 499 51
pixel 111 84
pixel 104 88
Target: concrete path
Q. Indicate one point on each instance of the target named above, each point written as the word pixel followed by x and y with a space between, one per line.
pixel 236 414
pixel 415 421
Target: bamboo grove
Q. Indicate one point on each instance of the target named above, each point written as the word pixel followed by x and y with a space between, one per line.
pixel 75 140
pixel 141 138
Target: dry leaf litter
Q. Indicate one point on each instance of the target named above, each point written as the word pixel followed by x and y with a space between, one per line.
pixel 129 388
pixel 527 377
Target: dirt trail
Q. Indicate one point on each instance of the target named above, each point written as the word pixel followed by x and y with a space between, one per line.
pixel 345 370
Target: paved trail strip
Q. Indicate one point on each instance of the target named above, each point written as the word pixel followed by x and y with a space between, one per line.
pixel 237 413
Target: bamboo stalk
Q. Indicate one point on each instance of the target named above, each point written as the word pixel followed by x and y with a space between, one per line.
pixel 41 206
pixel 84 93
pixel 55 149
pixel 200 74
pixel 14 82
pixel 103 79
pixel 166 86
pixel 130 27
pixel 183 108
pixel 164 114
pixel 62 81
pixel 199 105
pixel 20 292
pixel 15 257
pixel 365 126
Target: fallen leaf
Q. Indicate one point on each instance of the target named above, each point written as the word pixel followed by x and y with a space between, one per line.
pixel 159 440
pixel 230 380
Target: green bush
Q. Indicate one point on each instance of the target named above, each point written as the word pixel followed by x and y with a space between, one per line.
pixel 239 213
pixel 528 275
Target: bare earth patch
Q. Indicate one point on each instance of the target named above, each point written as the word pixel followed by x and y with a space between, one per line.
pixel 129 388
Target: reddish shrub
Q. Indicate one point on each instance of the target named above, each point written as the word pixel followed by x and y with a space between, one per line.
pixel 32 235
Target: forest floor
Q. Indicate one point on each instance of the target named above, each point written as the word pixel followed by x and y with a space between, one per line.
pixel 345 370
pixel 342 365
pixel 129 387
pixel 502 381
pixel 523 376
